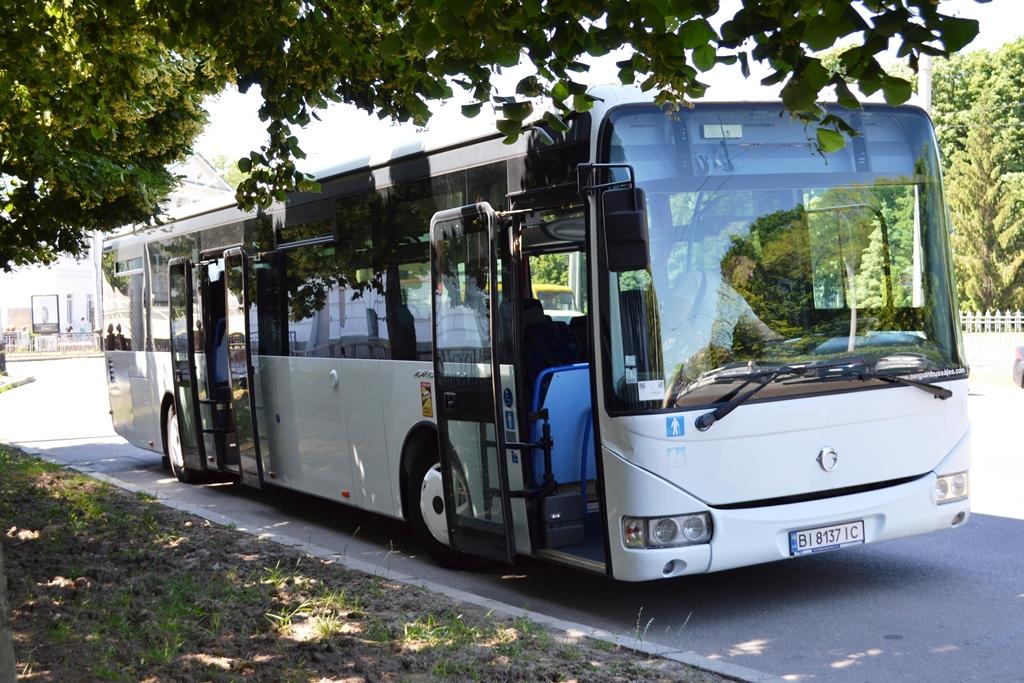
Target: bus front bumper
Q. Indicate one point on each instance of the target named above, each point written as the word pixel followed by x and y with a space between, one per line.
pixel 754 535
pixel 747 536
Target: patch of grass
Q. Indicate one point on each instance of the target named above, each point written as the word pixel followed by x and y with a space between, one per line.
pixel 61 632
pixel 275 576
pixel 640 628
pixel 459 669
pixel 284 620
pixel 326 625
pixel 446 629
pixel 106 585
pixel 377 631
pixel 571 653
pixel 336 601
pixel 280 577
pixel 534 632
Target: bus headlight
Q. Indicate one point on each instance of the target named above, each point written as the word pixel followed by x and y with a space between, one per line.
pixel 695 529
pixel 950 488
pixel 666 532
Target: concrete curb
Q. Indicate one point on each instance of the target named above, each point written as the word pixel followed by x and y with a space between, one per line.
pixel 14 384
pixel 55 355
pixel 571 630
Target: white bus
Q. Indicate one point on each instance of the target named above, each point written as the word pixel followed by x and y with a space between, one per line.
pixel 769 365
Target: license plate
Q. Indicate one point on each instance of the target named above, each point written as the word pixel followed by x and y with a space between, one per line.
pixel 823 538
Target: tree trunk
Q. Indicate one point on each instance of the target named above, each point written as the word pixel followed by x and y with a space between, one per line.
pixel 6 645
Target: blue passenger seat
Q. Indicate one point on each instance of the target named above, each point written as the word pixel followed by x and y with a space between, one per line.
pixel 565 392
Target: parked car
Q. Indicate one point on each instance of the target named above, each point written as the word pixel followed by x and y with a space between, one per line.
pixel 1018 367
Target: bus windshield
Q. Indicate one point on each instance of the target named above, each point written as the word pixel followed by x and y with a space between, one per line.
pixel 765 252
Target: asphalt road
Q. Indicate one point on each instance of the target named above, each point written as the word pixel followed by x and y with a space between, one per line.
pixel 943 607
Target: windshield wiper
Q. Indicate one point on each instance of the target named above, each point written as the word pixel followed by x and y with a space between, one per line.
pixel 766 377
pixel 933 389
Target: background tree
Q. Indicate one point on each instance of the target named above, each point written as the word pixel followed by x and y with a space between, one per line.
pixel 101 96
pixel 989 237
pixel 95 106
pixel 552 269
pixel 228 168
pixel 986 87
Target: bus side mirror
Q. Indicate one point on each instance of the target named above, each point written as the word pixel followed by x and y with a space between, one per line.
pixel 625 229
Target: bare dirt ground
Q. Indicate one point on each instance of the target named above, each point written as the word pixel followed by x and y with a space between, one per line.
pixel 105 585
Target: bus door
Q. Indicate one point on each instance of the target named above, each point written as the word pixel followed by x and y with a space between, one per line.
pixel 183 340
pixel 237 303
pixel 213 386
pixel 464 278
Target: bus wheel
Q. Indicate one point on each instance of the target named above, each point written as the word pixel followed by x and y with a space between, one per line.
pixel 427 515
pixel 174 454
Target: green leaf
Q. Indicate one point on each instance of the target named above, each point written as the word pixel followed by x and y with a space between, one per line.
pixel 957 33
pixel 507 56
pixel 545 138
pixel 704 57
pixel 509 127
pixel 559 92
pixel 471 110
pixel 555 122
pixel 798 95
pixel 390 45
pixel 245 164
pixel 582 103
pixel 896 90
pixel 695 33
pixel 529 86
pixel 843 94
pixel 517 111
pixel 830 140
pixel 820 34
pixel 427 38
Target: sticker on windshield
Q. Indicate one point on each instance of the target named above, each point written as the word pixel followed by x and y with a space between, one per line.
pixel 630 363
pixel 674 427
pixel 653 390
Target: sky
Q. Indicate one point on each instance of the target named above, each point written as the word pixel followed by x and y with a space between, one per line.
pixel 346 133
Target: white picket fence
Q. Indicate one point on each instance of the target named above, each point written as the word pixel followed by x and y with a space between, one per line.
pixel 991 338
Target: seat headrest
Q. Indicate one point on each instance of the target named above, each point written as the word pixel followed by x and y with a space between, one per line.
pixel 533 312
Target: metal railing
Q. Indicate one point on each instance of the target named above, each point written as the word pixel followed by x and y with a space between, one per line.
pixel 67 342
pixel 991 338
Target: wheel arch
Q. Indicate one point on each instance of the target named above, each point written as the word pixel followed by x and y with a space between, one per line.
pixel 421 439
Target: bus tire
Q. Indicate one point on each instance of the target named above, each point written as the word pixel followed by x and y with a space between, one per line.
pixel 422 481
pixel 174 455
